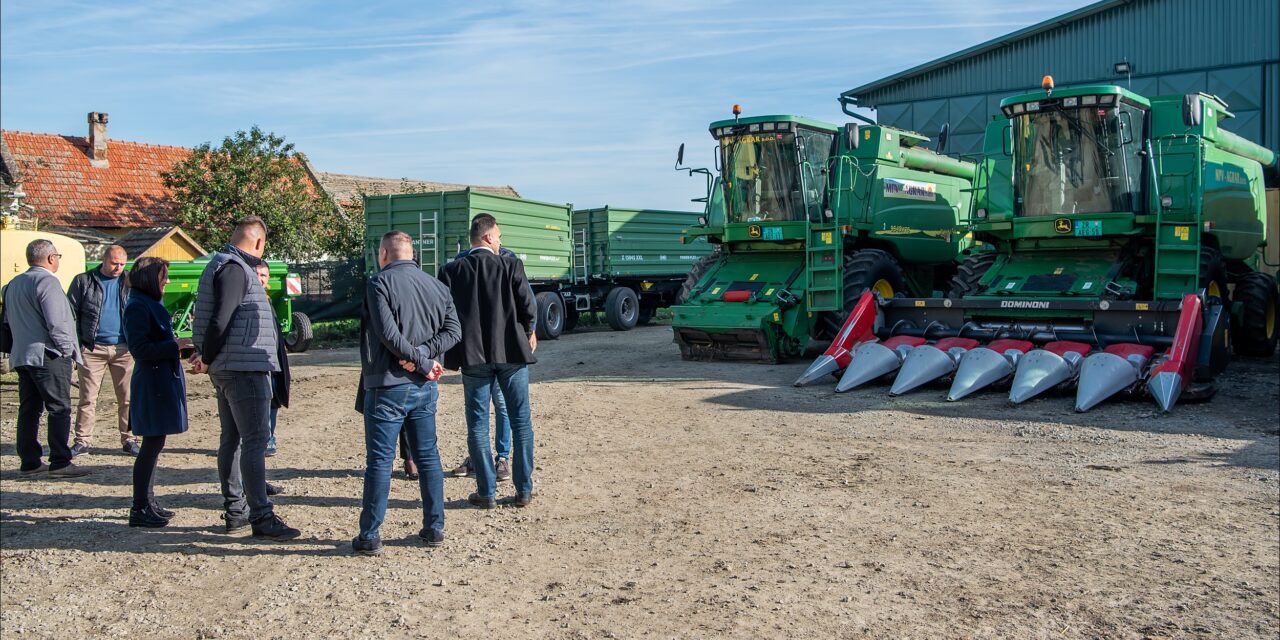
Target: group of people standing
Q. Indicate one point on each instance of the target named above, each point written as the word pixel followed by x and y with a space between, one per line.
pixel 477 316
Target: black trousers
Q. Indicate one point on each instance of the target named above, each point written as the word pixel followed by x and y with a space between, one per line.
pixel 41 389
pixel 144 471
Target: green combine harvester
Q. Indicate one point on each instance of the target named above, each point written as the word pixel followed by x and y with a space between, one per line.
pixel 1127 236
pixel 180 299
pixel 807 216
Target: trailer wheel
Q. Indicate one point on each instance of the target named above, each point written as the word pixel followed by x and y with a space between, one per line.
pixel 299 339
pixel 622 309
pixel 969 274
pixel 550 315
pixel 696 272
pixel 865 270
pixel 570 319
pixel 1255 328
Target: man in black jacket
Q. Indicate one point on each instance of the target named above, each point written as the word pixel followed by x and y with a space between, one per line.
pixel 497 311
pixel 97 299
pixel 409 321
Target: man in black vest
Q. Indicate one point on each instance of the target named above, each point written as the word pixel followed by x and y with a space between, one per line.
pixel 235 331
pixel 497 311
pixel 408 322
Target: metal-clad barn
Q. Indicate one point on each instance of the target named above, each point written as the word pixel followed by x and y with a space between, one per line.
pixel 1229 48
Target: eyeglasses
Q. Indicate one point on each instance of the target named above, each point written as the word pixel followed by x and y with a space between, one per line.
pixel 56 255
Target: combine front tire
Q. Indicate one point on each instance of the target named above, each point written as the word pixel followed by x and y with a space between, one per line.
pixel 1255 329
pixel 550 315
pixel 622 309
pixel 299 339
pixel 696 272
pixel 865 270
pixel 969 274
pixel 1213 274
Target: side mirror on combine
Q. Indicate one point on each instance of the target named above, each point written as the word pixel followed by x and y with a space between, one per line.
pixel 851 134
pixel 1191 110
pixel 680 156
pixel 942 137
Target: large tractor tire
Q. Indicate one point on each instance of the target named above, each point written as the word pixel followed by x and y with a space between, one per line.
pixel 696 272
pixel 865 270
pixel 1213 274
pixel 299 338
pixel 1255 328
pixel 622 309
pixel 550 315
pixel 969 274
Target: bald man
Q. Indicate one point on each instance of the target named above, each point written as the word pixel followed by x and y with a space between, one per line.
pixel 234 329
pixel 97 299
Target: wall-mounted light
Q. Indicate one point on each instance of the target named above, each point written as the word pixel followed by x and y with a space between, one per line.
pixel 1123 68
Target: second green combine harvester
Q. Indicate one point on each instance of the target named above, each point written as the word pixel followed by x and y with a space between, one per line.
pixel 808 216
pixel 1126 235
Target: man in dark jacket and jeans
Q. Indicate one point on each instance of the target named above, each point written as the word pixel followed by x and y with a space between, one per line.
pixel 97 299
pixel 234 329
pixel 408 322
pixel 497 311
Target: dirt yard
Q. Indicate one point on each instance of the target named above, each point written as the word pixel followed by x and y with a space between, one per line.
pixel 690 500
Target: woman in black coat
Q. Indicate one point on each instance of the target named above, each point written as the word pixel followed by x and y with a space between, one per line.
pixel 158 390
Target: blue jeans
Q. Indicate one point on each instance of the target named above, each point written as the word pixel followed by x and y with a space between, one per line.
pixel 388 410
pixel 501 423
pixel 513 381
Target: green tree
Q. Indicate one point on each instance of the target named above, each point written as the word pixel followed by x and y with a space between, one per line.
pixel 256 173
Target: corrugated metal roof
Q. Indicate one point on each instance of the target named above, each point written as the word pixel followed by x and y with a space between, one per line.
pixel 1155 36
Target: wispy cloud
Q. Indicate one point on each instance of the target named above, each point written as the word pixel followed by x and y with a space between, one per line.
pixel 583 101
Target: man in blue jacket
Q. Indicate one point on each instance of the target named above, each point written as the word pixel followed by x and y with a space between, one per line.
pixel 408 324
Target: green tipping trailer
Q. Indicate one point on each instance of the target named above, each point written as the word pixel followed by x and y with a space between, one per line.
pixel 180 298
pixel 630 262
pixel 1128 238
pixel 616 261
pixel 440 223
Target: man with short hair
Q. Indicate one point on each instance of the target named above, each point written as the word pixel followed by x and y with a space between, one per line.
pixel 501 425
pixel 97 299
pixel 235 331
pixel 39 320
pixel 408 322
pixel 497 311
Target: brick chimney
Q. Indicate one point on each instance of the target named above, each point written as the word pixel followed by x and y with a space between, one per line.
pixel 98 139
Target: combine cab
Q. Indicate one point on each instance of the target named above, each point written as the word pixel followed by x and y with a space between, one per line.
pixel 807 216
pixel 1127 236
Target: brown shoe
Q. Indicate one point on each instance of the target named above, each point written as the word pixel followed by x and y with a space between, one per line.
pixel 410 470
pixel 482 502
pixel 31 473
pixel 503 467
pixel 69 471
pixel 463 469
pixel 520 499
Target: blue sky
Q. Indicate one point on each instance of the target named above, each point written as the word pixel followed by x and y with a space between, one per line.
pixel 581 102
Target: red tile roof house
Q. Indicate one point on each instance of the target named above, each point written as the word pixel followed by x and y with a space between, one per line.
pixel 98 190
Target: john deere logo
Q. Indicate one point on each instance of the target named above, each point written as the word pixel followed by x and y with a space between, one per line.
pixel 1062 225
pixel 754 231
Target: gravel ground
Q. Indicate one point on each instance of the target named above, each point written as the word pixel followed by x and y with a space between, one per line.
pixel 690 500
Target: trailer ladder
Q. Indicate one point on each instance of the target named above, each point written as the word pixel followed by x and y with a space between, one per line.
pixel 581 271
pixel 429 241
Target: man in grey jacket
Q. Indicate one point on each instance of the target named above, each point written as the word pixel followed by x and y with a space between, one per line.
pixel 234 330
pixel 408 323
pixel 44 348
